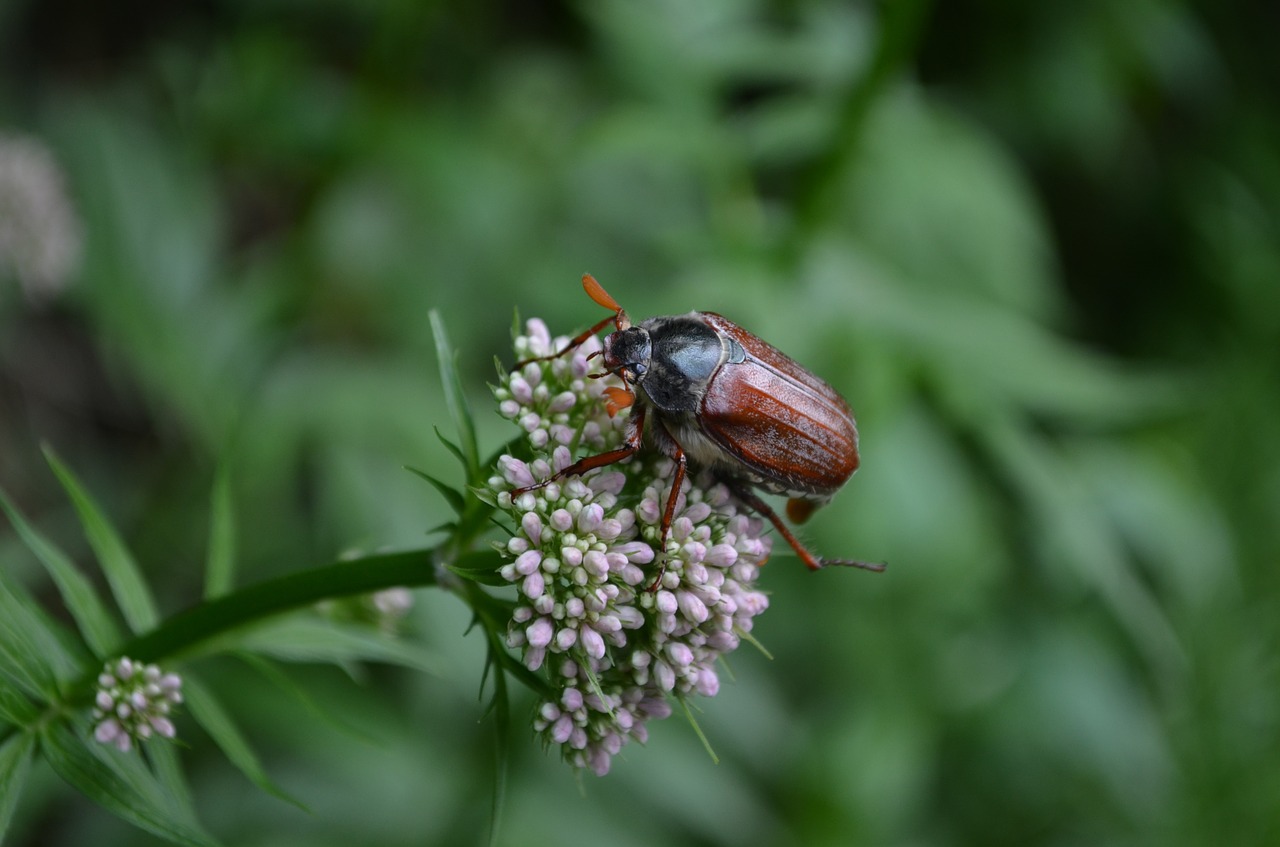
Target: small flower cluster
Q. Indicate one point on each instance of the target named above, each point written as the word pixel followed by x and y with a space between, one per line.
pixel 133 703
pixel 616 639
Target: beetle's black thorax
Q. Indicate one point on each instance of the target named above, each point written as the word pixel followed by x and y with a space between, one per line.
pixel 685 353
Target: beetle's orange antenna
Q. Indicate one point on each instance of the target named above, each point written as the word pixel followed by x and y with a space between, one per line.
pixel 597 293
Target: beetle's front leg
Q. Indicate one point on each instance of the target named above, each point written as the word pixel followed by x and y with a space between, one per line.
pixel 631 443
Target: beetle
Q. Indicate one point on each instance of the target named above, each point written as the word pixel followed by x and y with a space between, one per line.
pixel 730 401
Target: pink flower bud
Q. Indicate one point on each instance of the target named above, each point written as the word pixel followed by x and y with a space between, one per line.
pixel 539 632
pixel 528 562
pixel 531 523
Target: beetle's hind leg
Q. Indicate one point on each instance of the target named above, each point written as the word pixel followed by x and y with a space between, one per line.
pixel 754 501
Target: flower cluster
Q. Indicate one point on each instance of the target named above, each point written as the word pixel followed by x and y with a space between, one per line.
pixel 133 703
pixel 617 629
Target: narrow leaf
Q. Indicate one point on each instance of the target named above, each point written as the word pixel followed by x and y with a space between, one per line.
pixel 452 448
pixel 454 497
pixel 219 571
pixel 121 784
pixel 91 616
pixel 123 575
pixel 15 759
pixel 203 705
pixel 693 722
pixel 455 398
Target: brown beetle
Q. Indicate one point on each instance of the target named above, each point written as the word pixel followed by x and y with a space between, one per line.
pixel 734 404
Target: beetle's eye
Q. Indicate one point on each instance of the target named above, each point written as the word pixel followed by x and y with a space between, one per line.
pixel 638 369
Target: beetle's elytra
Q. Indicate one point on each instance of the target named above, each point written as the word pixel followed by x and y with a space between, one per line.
pixel 731 402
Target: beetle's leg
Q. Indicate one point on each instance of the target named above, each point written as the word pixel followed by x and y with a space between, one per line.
pixel 746 495
pixel 575 343
pixel 633 439
pixel 669 513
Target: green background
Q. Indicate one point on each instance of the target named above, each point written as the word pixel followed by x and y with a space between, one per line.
pixel 1036 245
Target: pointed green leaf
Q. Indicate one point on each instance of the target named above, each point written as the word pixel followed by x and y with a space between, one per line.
pixel 219 571
pixel 96 625
pixel 455 499
pixel 122 572
pixel 311 639
pixel 693 722
pixel 121 784
pixel 209 713
pixel 454 397
pixel 15 759
pixel 453 448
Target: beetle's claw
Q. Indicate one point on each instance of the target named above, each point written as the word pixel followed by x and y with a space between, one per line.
pixel 851 563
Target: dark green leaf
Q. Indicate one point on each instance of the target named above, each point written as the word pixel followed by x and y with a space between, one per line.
pixel 121 784
pixel 219 572
pixel 455 499
pixel 219 617
pixel 209 713
pixel 96 625
pixel 15 759
pixel 455 398
pixel 123 575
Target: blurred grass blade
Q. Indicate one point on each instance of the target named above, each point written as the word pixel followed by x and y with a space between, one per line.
pixel 15 709
pixel 219 571
pixel 123 575
pixel 502 751
pixel 286 683
pixel 209 713
pixel 29 650
pixel 91 615
pixel 455 398
pixel 15 760
pixel 121 784
pixel 168 770
pixel 310 639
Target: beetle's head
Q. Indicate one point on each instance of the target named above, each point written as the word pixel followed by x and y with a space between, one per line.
pixel 627 353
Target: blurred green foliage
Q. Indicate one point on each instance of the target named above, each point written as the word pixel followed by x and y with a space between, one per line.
pixel 1037 245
